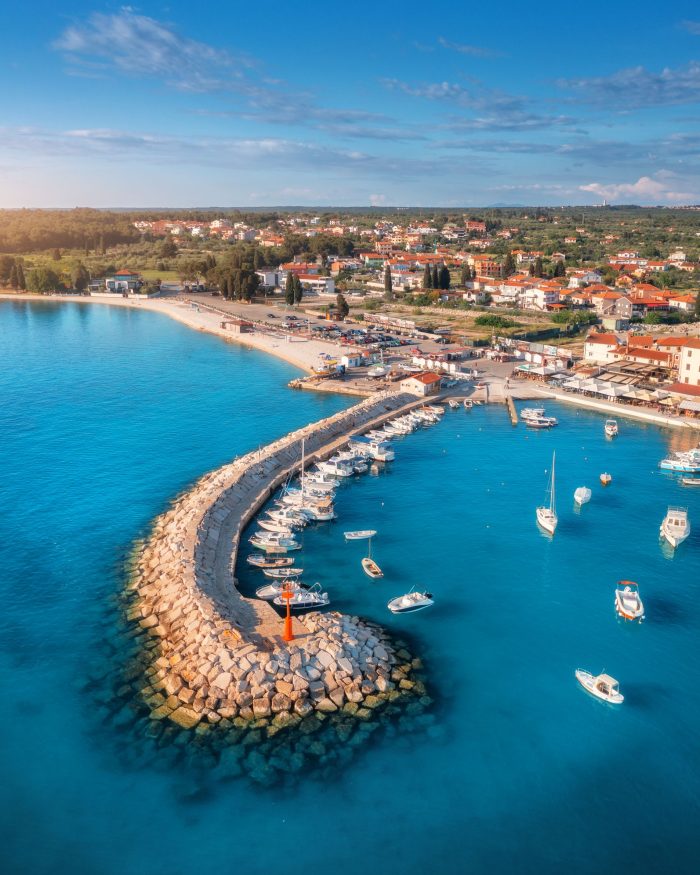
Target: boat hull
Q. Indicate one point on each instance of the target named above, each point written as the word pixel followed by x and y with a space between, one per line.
pixel 587 681
pixel 546 520
pixel 371 569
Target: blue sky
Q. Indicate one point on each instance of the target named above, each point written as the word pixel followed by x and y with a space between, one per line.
pixel 254 104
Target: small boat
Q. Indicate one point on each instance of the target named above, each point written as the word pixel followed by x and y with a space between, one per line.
pixel 336 468
pixel 453 404
pixel 282 573
pixel 467 404
pixel 276 526
pixel 359 535
pixel 690 481
pixel 260 561
pixel 611 428
pixel 547 515
pixel 675 527
pixel 601 686
pixel 532 413
pixel 283 546
pixel 541 422
pixel 369 566
pixel 628 604
pixel 582 495
pixel 305 599
pixel 605 478
pixel 378 450
pixel 378 371
pixel 437 409
pixel 410 602
pixel 683 463
pixel 270 591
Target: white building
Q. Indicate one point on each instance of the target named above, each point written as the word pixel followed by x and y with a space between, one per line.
pixel 425 383
pixel 689 367
pixel 600 347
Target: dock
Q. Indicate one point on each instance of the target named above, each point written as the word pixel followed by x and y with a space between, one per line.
pixel 512 412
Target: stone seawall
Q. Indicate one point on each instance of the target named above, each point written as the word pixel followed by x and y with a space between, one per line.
pixel 217 657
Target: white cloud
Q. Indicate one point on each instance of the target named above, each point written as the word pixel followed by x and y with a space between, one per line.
pixel 646 190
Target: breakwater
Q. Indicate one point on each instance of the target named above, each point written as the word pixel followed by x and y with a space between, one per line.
pixel 213 657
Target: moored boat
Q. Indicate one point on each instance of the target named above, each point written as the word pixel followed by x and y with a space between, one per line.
pixel 259 561
pixel 605 478
pixel 371 568
pixel 682 463
pixel 601 686
pixel 270 591
pixel 547 514
pixel 453 404
pixel 531 413
pixel 628 604
pixel 468 404
pixel 690 481
pixel 410 602
pixel 359 535
pixel 541 422
pixel 582 495
pixel 675 526
pixel 611 428
pixel 282 573
pixel 305 599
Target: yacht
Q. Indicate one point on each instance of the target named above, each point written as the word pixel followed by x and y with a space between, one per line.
pixel 628 604
pixel 582 495
pixel 259 561
pixel 547 515
pixel 683 463
pixel 605 478
pixel 305 599
pixel 283 573
pixel 602 686
pixel 611 428
pixel 410 602
pixel 675 527
pixel 378 450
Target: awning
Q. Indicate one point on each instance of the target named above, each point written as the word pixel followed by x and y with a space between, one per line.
pixel 690 405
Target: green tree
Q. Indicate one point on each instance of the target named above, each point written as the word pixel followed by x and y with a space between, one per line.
pixel 298 290
pixel 444 277
pixel 539 267
pixel 289 288
pixel 509 265
pixel 43 279
pixel 434 278
pixel 697 305
pixel 341 305
pixel 56 255
pixel 12 279
pixel 559 269
pixel 465 275
pixel 388 284
pixel 427 278
pixel 167 249
pixel 80 277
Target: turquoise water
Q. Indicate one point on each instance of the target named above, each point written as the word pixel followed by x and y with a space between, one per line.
pixel 106 414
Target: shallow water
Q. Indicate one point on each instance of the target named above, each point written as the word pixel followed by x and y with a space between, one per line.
pixel 108 413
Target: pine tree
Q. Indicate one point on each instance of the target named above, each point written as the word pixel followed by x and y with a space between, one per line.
pixel 465 275
pixel 103 248
pixel 444 277
pixel 509 265
pixel 435 278
pixel 697 305
pixel 559 269
pixel 289 289
pixel 341 305
pixel 21 281
pixel 531 269
pixel 80 277
pixel 388 284
pixel 427 278
pixel 298 290
pixel 12 281
pixel 539 268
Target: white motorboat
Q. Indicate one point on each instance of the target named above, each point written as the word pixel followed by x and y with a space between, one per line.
pixel 294 516
pixel 322 487
pixel 410 602
pixel 547 514
pixel 270 591
pixel 541 422
pixel 396 428
pixel 675 527
pixel 336 468
pixel 361 467
pixel 628 604
pixel 359 535
pixel 283 573
pixel 275 526
pixel 321 512
pixel 611 428
pixel 378 450
pixel 453 404
pixel 273 537
pixel 682 463
pixel 531 412
pixel 284 546
pixel 378 371
pixel 437 409
pixel 582 495
pixel 690 481
pixel 605 478
pixel 260 561
pixel 468 404
pixel 305 599
pixel 602 686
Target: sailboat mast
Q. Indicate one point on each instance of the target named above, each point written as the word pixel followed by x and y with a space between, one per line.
pixel 303 460
pixel 551 498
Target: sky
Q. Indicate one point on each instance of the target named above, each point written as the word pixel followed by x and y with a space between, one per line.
pixel 327 104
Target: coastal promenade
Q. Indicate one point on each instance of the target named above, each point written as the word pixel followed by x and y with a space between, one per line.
pixel 220 656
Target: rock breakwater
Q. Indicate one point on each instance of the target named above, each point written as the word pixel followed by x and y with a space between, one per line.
pixel 215 659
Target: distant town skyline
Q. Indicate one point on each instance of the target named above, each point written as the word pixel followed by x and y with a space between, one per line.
pixel 373 105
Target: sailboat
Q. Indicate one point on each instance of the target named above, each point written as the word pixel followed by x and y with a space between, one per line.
pixel 547 516
pixel 369 566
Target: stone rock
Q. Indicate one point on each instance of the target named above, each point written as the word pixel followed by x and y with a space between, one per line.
pixel 185 717
pixel 261 707
pixel 345 664
pixel 222 681
pixel 325 659
pixel 284 687
pixel 280 702
pixel 326 704
pixel 303 707
pixel 337 696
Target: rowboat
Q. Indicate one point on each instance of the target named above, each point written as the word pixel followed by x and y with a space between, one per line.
pixel 360 535
pixel 260 561
pixel 283 573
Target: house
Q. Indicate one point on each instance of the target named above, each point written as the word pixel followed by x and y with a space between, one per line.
pixel 423 383
pixel 321 285
pixel 578 278
pixel 124 281
pixel 689 366
pixel 601 347
pixel 673 345
pixel 544 296
pixel 476 227
pixel 684 303
pixel 611 303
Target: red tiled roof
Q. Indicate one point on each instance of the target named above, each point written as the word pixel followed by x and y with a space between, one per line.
pixel 426 377
pixel 684 389
pixel 609 339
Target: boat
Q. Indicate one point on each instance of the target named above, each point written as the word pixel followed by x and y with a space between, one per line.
pixel 532 413
pixel 305 599
pixel 377 450
pixel 336 468
pixel 547 515
pixel 690 481
pixel 683 463
pixel 601 686
pixel 281 528
pixel 453 404
pixel 628 604
pixel 541 422
pixel 378 371
pixel 289 515
pixel 260 561
pixel 606 478
pixel 410 602
pixel 468 404
pixel 611 428
pixel 675 527
pixel 437 409
pixel 369 566
pixel 282 573
pixel 270 591
pixel 582 495
pixel 319 512
pixel 274 546
pixel 359 535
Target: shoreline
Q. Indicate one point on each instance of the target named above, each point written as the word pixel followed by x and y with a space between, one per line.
pixel 200 320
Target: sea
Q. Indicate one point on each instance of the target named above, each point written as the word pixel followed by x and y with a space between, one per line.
pixel 107 413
